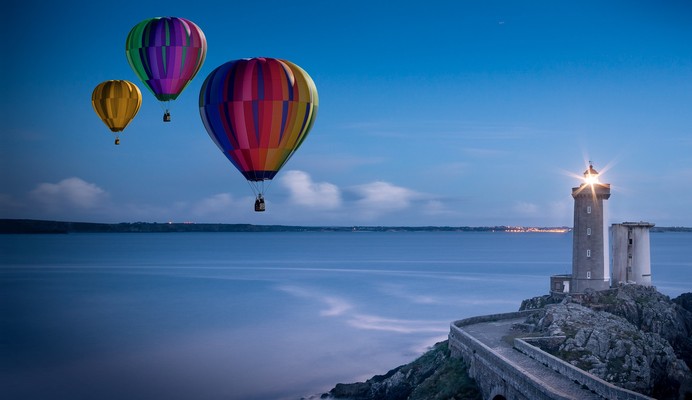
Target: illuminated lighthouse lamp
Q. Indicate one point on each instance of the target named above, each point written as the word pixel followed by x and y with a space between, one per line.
pixel 591 176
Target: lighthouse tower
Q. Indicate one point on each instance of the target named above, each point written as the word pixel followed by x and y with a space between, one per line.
pixel 590 256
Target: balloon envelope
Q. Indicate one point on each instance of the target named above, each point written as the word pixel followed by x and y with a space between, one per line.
pixel 258 111
pixel 116 102
pixel 166 53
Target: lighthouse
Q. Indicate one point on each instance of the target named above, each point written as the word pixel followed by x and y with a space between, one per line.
pixel 590 255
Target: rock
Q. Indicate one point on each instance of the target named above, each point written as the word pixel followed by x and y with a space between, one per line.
pixel 650 311
pixel 624 336
pixel 538 302
pixel 357 390
pixel 434 375
pixel 684 301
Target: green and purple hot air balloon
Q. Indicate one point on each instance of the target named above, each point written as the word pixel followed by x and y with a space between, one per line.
pixel 166 53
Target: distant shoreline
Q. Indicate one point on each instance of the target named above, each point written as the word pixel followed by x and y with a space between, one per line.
pixel 29 226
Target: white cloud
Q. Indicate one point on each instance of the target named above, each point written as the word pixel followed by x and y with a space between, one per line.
pixel 304 191
pixel 384 196
pixel 71 192
pixel 213 205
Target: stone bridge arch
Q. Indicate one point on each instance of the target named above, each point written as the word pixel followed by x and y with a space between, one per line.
pixel 498 393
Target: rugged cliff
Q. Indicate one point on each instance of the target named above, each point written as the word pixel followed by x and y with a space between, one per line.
pixel 631 336
pixel 433 376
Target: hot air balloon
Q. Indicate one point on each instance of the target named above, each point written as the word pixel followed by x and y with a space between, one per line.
pixel 258 111
pixel 116 102
pixel 166 53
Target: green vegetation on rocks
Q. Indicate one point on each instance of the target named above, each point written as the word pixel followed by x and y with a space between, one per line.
pixel 433 376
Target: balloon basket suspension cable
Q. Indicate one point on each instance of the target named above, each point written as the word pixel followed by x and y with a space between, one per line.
pixel 253 188
pixel 265 189
pixel 166 111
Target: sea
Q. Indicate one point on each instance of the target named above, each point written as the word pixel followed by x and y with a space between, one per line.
pixel 264 315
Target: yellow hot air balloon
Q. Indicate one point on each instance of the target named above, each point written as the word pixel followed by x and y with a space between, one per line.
pixel 116 102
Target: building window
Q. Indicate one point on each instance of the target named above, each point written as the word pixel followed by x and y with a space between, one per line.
pixel 588 209
pixel 588 274
pixel 588 231
pixel 588 253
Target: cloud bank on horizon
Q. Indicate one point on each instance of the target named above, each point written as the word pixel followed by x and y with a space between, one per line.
pixel 305 202
pixel 78 200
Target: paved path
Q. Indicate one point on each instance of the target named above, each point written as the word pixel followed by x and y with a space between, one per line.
pixel 491 334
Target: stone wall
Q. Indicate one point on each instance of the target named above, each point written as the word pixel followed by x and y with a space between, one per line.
pixel 492 317
pixel 597 385
pixel 494 374
pixel 498 376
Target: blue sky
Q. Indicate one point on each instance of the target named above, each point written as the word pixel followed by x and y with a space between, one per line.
pixel 431 113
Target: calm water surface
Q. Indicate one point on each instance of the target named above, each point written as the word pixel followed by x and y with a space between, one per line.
pixel 258 315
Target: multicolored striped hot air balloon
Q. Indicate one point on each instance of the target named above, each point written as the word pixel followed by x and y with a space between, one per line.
pixel 166 53
pixel 116 102
pixel 258 111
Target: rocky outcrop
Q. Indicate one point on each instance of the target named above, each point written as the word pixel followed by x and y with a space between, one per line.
pixel 629 336
pixel 538 302
pixel 684 301
pixel 434 375
pixel 645 308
